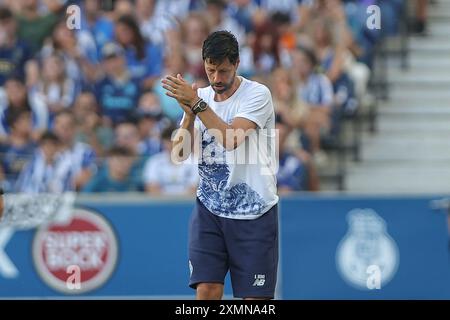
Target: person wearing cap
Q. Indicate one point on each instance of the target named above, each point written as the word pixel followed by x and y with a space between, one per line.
pixel 117 93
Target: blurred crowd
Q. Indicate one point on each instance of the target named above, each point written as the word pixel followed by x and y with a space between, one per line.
pixel 82 109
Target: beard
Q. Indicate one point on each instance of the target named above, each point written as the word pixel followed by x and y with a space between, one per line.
pixel 223 87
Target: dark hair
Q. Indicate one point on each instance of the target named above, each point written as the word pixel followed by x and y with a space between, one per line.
pixel 120 151
pixel 310 54
pixel 14 114
pixel 49 136
pixel 222 4
pixel 16 77
pixel 68 113
pixel 220 45
pixel 279 18
pixel 166 134
pixel 138 41
pixel 5 13
pixel 267 28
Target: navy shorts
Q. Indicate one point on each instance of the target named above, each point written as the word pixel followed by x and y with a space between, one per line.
pixel 248 248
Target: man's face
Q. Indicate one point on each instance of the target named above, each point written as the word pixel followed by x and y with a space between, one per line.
pixel 301 63
pixel 24 124
pixel 221 76
pixel 120 165
pixel 85 104
pixel 114 65
pixel 16 92
pixel 64 128
pixel 127 135
pixel 49 148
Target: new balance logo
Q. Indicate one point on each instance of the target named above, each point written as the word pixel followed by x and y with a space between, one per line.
pixel 260 279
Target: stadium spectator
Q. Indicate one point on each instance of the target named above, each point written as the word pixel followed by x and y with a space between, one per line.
pixel 144 59
pixel 14 96
pixel 55 89
pixel 150 123
pixel 287 36
pixel 99 26
pixel 154 28
pixel 117 93
pixel 18 149
pixel 127 136
pixel 291 114
pixel 332 53
pixel 42 174
pixel 34 27
pixel 195 29
pixel 91 128
pixel 121 8
pixel 164 177
pixel 116 175
pixel 288 105
pixel 242 12
pixel 178 9
pixel 14 53
pixel 317 91
pixel 105 72
pixel 266 48
pixel 76 158
pixel 78 51
pixel 292 173
pixel 219 20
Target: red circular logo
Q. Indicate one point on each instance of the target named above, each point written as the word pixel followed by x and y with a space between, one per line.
pixel 77 257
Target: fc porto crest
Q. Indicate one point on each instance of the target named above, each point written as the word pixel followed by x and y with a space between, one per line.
pixel 367 247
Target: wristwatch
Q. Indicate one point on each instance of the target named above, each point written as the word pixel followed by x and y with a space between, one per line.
pixel 199 106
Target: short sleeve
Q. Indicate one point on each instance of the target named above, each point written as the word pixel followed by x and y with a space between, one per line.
pixel 256 106
pixel 151 171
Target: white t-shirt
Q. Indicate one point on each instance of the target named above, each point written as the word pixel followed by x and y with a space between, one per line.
pixel 239 184
pixel 173 178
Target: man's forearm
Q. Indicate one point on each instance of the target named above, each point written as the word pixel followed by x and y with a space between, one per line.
pixel 212 121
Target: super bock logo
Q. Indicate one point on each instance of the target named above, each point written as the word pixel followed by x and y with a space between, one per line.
pixel 366 244
pixel 77 256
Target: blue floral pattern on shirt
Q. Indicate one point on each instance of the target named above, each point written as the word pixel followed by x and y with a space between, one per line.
pixel 214 191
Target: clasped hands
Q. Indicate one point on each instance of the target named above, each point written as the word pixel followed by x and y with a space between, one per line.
pixel 182 91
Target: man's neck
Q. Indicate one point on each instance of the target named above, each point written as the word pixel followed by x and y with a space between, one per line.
pixel 224 96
